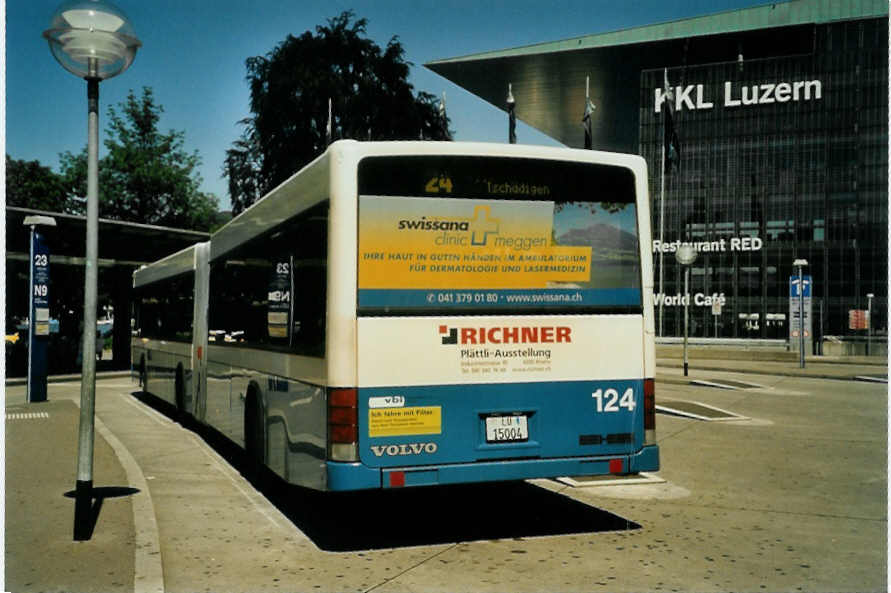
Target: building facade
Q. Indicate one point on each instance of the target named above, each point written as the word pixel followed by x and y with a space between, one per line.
pixel 781 116
pixel 779 159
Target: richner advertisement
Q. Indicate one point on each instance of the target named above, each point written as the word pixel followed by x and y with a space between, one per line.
pixel 480 256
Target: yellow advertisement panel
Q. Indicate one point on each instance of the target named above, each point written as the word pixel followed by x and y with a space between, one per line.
pixel 392 422
pixel 430 243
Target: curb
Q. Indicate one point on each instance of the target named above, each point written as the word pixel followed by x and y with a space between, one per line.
pixel 148 572
pixel 68 378
pixel 774 372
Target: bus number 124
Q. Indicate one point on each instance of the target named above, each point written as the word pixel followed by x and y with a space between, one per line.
pixel 608 400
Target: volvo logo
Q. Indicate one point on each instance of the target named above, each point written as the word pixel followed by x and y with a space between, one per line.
pixel 404 449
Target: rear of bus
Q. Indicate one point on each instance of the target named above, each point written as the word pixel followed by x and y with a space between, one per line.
pixel 502 329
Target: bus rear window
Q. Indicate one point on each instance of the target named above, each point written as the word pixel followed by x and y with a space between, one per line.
pixel 469 235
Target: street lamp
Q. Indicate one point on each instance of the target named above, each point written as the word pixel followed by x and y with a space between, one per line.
pixel 869 298
pixel 800 264
pixel 686 255
pixel 93 40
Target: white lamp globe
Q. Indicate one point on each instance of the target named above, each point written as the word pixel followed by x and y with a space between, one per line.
pixel 685 254
pixel 92 39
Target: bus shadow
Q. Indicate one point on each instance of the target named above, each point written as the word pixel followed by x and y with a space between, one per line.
pixel 422 516
pixel 425 516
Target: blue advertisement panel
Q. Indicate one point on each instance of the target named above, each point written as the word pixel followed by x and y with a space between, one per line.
pixel 39 326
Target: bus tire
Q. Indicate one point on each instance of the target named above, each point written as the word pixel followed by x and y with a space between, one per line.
pixel 254 434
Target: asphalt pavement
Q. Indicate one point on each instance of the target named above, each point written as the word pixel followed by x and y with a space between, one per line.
pixel 41 554
pixel 158 484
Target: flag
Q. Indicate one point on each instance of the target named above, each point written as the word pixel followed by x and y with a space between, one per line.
pixel 586 121
pixel 443 120
pixel 329 126
pixel 586 118
pixel 511 116
pixel 671 144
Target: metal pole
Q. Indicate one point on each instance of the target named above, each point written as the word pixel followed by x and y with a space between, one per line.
pixel 30 313
pixel 662 238
pixel 686 314
pixel 801 316
pixel 84 486
pixel 868 323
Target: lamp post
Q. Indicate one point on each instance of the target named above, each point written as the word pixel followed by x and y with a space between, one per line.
pixel 800 264
pixel 869 298
pixel 686 255
pixel 93 40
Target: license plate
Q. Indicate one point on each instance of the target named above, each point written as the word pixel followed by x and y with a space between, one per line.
pixel 501 429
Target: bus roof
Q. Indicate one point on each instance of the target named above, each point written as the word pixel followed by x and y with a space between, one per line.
pixel 173 265
pixel 311 185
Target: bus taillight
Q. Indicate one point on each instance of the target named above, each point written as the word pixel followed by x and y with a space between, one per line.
pixel 343 425
pixel 649 411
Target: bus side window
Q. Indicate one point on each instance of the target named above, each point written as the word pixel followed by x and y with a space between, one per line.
pixel 272 284
pixel 310 284
pixel 309 309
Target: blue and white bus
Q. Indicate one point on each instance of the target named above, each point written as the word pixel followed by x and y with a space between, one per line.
pixel 419 313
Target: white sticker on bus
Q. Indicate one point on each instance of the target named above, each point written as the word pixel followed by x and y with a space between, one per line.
pixel 388 401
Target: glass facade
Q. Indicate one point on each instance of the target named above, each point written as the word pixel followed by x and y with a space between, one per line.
pixel 779 158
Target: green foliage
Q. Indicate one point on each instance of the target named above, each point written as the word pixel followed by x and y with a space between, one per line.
pixel 146 176
pixel 31 185
pixel 290 89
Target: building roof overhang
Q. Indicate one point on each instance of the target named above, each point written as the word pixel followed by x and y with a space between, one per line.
pixel 120 243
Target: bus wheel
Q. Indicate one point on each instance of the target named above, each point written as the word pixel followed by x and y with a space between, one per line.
pixel 254 435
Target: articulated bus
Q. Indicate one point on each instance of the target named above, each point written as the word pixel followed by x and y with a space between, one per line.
pixel 419 313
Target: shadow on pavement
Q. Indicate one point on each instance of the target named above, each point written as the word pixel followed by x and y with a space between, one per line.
pixel 99 494
pixel 422 516
pixel 381 519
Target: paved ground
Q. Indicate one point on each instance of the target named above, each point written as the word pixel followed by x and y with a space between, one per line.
pixel 40 552
pixel 792 499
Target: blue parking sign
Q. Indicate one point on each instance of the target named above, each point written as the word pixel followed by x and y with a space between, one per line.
pixel 793 286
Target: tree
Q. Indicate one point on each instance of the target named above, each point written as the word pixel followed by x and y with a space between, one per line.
pixel 147 176
pixel 290 90
pixel 31 185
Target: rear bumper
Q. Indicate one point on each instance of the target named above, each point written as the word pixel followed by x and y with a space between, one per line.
pixel 356 476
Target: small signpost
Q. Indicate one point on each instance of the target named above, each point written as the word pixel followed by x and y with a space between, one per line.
pixel 800 309
pixel 858 319
pixel 38 311
pixel 796 300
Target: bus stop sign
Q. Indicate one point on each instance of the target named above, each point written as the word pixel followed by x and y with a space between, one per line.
pixel 39 322
pixel 796 296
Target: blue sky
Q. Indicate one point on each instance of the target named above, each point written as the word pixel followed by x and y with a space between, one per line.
pixel 194 51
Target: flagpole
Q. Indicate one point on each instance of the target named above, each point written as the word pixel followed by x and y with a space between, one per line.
pixel 329 128
pixel 443 120
pixel 511 116
pixel 586 118
pixel 661 241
